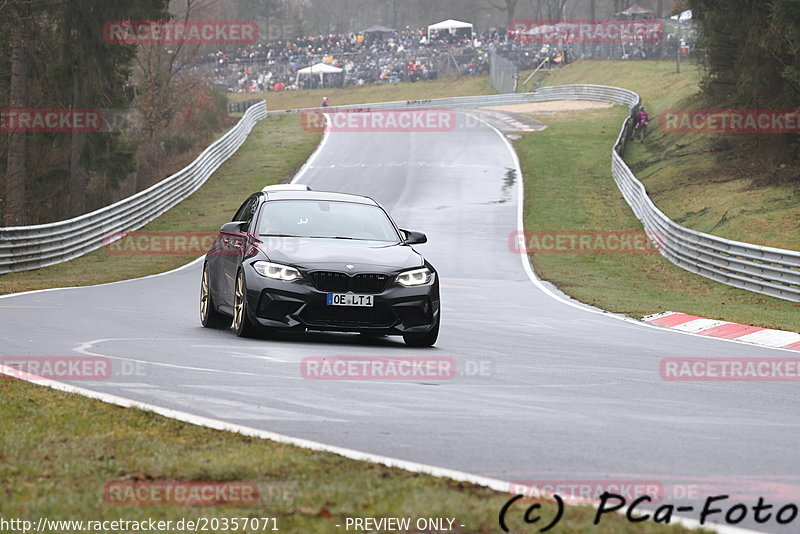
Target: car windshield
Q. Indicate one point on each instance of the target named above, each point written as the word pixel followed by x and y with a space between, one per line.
pixel 326 219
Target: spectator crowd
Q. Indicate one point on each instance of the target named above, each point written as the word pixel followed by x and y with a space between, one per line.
pixel 395 56
pixel 364 58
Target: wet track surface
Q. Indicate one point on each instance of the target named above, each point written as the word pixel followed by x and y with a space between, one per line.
pixel 545 391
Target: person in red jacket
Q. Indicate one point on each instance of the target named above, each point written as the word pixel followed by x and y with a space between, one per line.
pixel 642 120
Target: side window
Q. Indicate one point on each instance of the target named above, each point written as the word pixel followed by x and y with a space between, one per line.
pixel 245 213
pixel 241 211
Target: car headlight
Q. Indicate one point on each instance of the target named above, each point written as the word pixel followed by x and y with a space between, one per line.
pixel 417 277
pixel 276 271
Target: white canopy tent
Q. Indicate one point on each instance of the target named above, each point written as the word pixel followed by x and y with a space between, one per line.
pixel 320 68
pixel 449 24
pixel 683 17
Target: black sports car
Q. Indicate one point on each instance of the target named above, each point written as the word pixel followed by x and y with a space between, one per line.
pixel 296 259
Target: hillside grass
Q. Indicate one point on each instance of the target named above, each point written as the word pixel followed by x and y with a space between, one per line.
pixel 706 182
pixel 568 186
pixel 63 449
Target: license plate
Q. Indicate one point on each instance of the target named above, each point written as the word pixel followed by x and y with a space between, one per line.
pixel 349 299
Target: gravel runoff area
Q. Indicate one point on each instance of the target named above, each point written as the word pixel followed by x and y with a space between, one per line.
pixel 553 106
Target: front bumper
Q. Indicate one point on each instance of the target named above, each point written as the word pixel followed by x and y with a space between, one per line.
pixel 299 305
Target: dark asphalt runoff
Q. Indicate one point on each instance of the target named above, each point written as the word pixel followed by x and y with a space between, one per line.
pixel 545 391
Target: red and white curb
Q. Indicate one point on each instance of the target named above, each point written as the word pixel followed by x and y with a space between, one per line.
pixel 725 330
pixel 513 124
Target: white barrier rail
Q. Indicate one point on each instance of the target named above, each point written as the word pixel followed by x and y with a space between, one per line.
pixel 766 270
pixel 24 248
pixel 456 102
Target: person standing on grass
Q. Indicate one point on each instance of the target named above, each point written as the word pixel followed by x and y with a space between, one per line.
pixel 642 120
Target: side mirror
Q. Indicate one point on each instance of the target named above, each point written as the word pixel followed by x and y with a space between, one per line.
pixel 235 227
pixel 414 238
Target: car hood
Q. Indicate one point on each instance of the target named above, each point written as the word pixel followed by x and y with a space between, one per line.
pixel 334 254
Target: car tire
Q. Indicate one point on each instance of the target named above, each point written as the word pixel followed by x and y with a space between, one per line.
pixel 426 339
pixel 241 318
pixel 209 316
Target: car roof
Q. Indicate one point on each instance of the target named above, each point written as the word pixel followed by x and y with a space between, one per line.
pixel 318 195
pixel 286 187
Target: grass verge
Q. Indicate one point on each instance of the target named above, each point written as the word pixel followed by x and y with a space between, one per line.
pixel 275 149
pixel 59 467
pixel 568 187
pixel 707 182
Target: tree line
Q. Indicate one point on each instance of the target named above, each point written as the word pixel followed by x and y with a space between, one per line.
pixel 752 61
pixel 53 55
pixel 281 19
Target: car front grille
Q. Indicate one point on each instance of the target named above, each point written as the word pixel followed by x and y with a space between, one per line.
pixel 322 315
pixel 342 283
pixel 328 281
pixel 369 283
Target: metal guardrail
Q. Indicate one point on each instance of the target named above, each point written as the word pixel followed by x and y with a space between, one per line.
pixel 765 270
pixel 599 93
pixel 24 248
pixel 581 92
pixel 458 102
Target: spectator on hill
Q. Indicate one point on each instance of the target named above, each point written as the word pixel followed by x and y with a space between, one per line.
pixel 642 120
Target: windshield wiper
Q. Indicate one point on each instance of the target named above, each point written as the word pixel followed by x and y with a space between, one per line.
pixel 282 235
pixel 331 237
pixel 314 236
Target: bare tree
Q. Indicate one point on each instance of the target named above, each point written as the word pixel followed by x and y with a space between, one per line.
pixel 509 6
pixel 16 169
pixel 554 9
pixel 162 76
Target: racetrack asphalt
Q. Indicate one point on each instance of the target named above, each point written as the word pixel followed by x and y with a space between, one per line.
pixel 545 391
